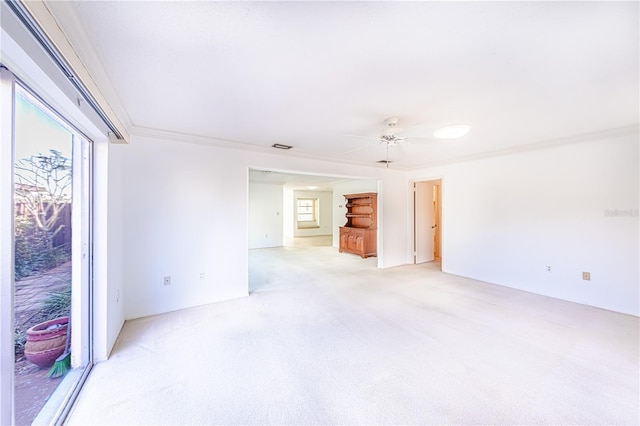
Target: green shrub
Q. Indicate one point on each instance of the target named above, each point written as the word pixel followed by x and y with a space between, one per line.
pixel 57 304
pixel 19 340
pixel 33 252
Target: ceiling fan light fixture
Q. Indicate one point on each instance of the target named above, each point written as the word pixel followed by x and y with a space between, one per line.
pixel 452 132
pixel 391 128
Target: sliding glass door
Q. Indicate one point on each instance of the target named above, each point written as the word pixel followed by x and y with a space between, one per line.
pixel 49 286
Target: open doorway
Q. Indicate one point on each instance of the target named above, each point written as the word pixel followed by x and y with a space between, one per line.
pixel 427 213
pixel 292 209
pixel 289 209
pixel 295 214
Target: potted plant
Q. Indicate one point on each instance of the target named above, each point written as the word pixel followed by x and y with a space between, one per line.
pixel 46 341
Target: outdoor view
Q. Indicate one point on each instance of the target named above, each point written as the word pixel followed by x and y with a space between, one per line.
pixel 42 298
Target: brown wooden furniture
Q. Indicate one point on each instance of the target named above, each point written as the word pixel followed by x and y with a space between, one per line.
pixel 359 234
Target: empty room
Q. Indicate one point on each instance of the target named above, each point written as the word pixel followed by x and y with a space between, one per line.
pixel 319 212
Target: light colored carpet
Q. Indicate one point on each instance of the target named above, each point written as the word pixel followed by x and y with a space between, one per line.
pixel 326 338
pixel 314 241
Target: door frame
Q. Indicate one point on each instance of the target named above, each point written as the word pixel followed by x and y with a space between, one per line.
pixel 7 88
pixel 438 217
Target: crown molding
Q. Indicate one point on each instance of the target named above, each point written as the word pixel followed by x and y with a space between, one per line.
pixel 137 131
pixel 540 145
pixel 145 132
pixel 168 135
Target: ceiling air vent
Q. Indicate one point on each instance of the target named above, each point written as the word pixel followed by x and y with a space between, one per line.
pixel 281 146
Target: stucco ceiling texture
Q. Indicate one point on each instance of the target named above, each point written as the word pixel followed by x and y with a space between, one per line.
pixel 309 73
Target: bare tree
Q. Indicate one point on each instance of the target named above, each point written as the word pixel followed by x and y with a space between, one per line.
pixel 43 187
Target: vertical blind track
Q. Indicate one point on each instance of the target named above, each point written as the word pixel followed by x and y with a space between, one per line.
pixel 43 40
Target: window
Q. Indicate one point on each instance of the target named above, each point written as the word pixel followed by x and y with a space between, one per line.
pixel 307 209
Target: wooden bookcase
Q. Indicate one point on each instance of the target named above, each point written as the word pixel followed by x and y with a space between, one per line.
pixel 359 234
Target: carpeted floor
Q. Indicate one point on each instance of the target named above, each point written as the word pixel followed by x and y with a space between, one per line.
pixel 314 241
pixel 326 338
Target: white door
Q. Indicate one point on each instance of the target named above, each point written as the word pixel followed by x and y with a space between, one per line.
pixel 424 222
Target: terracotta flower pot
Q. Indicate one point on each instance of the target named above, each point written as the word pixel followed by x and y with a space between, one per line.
pixel 45 341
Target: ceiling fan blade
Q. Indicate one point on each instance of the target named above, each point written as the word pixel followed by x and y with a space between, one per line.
pixel 371 138
pixel 421 140
pixel 415 130
pixel 362 148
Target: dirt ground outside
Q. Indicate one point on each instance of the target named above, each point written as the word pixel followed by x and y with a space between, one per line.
pixel 31 386
pixel 32 390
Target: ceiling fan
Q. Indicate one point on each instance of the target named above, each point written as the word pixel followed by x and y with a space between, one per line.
pixel 390 136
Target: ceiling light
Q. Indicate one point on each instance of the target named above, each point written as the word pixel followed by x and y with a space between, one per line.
pixel 281 146
pixel 312 187
pixel 452 132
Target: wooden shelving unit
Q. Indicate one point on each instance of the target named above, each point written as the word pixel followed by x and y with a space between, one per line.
pixel 359 234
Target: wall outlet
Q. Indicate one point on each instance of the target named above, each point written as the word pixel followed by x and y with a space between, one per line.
pixel 167 280
pixel 586 276
pixel 548 268
pixel 202 275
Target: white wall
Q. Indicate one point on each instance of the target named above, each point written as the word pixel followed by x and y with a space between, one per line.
pixel 505 219
pixel 115 248
pixel 287 212
pixel 325 213
pixel 265 215
pixel 186 212
pixel 108 246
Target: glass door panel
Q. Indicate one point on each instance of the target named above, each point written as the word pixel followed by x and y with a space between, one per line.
pixel 51 260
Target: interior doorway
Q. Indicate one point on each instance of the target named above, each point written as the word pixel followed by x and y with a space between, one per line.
pixel 427 214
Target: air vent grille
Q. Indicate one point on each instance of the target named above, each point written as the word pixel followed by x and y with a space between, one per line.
pixel 281 146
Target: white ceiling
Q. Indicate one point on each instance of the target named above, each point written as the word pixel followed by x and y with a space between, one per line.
pixel 308 73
